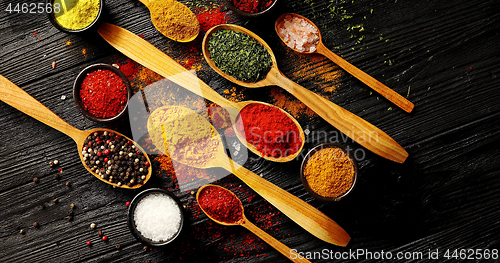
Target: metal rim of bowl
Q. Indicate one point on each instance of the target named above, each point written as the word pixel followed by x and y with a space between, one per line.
pixel 308 156
pixel 77 85
pixel 131 223
pixel 229 3
pixel 93 26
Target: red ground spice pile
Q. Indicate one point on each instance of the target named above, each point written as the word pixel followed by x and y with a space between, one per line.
pixel 103 94
pixel 270 130
pixel 211 18
pixel 252 6
pixel 220 204
pixel 129 68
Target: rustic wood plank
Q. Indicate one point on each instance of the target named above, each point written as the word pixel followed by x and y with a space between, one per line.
pixel 444 57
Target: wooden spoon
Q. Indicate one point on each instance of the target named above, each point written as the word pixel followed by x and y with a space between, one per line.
pixel 19 99
pixel 385 91
pixel 175 30
pixel 149 56
pixel 302 213
pixel 244 222
pixel 351 125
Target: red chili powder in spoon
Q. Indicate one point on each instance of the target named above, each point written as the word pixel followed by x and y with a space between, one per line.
pixel 220 204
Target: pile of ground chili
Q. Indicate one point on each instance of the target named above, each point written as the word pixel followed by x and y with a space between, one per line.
pixel 115 158
pixel 270 130
pixel 103 94
pixel 220 204
pixel 252 6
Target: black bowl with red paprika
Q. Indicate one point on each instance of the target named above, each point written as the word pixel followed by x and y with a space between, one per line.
pixel 101 93
pixel 251 8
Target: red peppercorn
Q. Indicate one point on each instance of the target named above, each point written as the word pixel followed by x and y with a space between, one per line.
pixel 127 203
pixel 146 163
pixel 104 238
pixel 106 159
pixel 89 144
pixel 106 152
pixel 137 152
pixel 129 142
pixel 99 153
pixel 88 243
pixel 60 170
pixel 117 136
pixel 97 139
pixel 108 141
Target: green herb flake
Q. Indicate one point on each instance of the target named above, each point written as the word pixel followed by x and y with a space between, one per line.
pixel 239 55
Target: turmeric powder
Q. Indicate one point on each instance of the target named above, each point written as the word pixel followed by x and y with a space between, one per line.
pixel 188 137
pixel 329 172
pixel 174 20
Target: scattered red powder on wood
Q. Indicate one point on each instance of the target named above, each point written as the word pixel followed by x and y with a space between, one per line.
pixel 129 68
pixel 211 18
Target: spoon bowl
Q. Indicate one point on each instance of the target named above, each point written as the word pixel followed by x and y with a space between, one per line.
pixel 244 222
pixel 19 99
pixel 348 123
pixel 376 85
pixel 159 9
pixel 214 155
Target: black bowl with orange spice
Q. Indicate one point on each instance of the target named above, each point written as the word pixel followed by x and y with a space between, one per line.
pixel 101 93
pixel 329 172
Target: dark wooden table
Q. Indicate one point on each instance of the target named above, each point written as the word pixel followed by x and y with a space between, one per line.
pixel 442 55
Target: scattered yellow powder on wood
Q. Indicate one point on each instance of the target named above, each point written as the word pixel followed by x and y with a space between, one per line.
pixel 84 51
pixel 68 42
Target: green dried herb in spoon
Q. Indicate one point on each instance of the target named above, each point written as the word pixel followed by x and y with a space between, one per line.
pixel 239 55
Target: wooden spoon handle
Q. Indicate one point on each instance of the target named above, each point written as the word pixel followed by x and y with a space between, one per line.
pixel 302 213
pixel 385 91
pixel 149 56
pixel 19 99
pixel 282 248
pixel 350 124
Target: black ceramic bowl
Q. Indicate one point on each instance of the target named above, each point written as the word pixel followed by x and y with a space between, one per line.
pixel 78 82
pixel 131 223
pixel 308 156
pixel 229 3
pixel 91 28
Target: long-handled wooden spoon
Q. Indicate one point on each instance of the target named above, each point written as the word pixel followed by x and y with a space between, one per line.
pixel 244 222
pixel 351 125
pixel 149 56
pixel 174 29
pixel 302 213
pixel 19 99
pixel 385 91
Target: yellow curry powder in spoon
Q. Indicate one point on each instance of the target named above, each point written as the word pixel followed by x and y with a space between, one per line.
pixel 188 137
pixel 174 20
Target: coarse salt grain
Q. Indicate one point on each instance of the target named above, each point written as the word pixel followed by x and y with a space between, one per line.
pixel 157 217
pixel 298 34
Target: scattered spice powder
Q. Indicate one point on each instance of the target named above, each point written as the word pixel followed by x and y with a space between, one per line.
pixel 211 18
pixel 252 6
pixel 329 172
pixel 220 204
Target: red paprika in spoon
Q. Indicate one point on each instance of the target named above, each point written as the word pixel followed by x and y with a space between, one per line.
pixel 220 204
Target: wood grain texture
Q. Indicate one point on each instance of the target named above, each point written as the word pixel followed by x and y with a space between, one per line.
pixel 443 57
